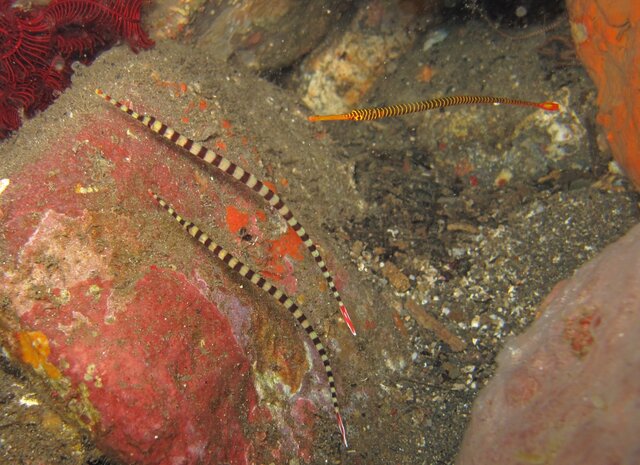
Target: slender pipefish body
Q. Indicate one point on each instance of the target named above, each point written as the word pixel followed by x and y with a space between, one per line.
pixel 368 114
pixel 233 263
pixel 279 296
pixel 251 181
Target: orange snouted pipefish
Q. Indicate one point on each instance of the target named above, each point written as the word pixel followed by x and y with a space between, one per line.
pixel 260 282
pixel 251 181
pixel 368 114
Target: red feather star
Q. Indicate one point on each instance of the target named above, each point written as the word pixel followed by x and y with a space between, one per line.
pixel 37 47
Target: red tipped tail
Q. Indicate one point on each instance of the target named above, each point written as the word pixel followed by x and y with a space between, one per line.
pixel 343 431
pixel 347 319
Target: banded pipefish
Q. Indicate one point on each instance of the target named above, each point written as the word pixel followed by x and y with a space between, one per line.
pixel 256 279
pixel 368 114
pixel 251 181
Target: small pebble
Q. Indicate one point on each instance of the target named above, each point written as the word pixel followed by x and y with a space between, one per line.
pixel 396 278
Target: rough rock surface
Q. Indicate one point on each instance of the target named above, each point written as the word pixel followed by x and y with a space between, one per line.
pixel 138 332
pixel 336 76
pixel 418 191
pixel 566 391
pixel 266 36
pixel 607 38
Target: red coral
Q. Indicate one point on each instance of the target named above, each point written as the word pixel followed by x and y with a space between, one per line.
pixel 37 47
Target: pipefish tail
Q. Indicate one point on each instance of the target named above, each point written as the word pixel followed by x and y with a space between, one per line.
pixel 368 114
pixel 280 297
pixel 245 177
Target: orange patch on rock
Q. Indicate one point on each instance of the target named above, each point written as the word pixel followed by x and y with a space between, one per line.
pixel 287 244
pixel 228 127
pixel 607 37
pixel 222 145
pixel 426 73
pixel 35 350
pixel 236 219
pixel 277 269
pixel 270 185
pixel 578 331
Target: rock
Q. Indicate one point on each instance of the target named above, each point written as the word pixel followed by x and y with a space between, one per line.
pixel 397 278
pixel 140 335
pixel 566 390
pixel 607 37
pixel 336 76
pixel 266 36
pixel 132 374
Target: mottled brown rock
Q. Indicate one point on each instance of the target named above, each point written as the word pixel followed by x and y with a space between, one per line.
pixel 267 36
pixel 396 278
pixel 336 76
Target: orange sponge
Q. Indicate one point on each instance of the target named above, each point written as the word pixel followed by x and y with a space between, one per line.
pixel 607 37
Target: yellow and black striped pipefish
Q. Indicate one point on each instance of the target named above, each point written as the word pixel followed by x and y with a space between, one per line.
pixel 245 177
pixel 257 280
pixel 368 114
